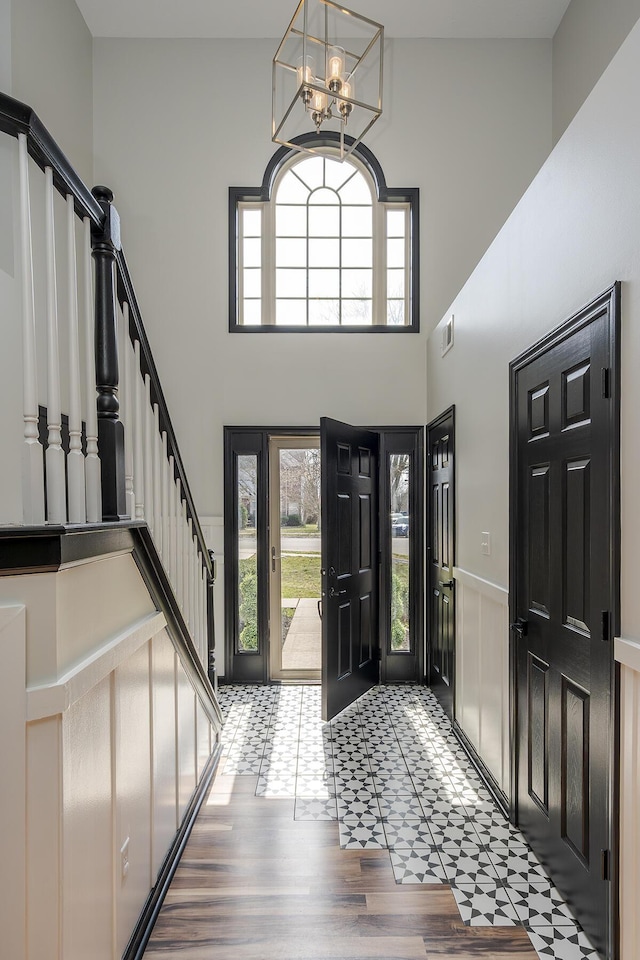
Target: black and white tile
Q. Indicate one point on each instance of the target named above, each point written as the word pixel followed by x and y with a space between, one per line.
pixel 392 775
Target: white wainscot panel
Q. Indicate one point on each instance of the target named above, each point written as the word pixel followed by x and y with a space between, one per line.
pixel 628 654
pixel 186 712
pixel 165 809
pixel 482 670
pixel 133 792
pixel 87 826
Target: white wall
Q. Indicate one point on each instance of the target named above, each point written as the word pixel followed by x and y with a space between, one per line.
pixel 589 35
pixel 107 745
pixel 52 72
pixel 574 233
pixel 469 123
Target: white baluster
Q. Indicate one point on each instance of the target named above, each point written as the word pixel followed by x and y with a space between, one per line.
pixel 138 435
pixel 93 486
pixel 185 562
pixel 193 619
pixel 75 459
pixel 157 481
pixel 178 547
pixel 203 617
pixel 127 408
pixel 172 525
pixel 164 506
pixel 54 455
pixel 148 454
pixel 32 462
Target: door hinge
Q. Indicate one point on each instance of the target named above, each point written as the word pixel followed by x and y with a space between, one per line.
pixel 606 386
pixel 605 626
pixel 605 861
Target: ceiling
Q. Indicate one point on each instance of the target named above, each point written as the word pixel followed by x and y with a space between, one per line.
pixel 269 18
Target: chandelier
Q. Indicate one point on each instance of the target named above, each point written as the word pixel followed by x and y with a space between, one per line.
pixel 327 77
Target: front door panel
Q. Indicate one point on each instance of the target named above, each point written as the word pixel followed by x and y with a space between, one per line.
pixel 350 642
pixel 564 432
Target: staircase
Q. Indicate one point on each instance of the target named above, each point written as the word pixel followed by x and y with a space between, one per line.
pixel 109 722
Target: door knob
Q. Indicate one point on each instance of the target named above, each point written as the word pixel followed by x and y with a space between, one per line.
pixel 521 627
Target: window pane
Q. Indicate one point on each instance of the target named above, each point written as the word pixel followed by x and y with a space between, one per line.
pixel 251 282
pixel 395 284
pixel 395 313
pixel 252 253
pixel 324 221
pixel 324 197
pixel 399 466
pixel 291 283
pixel 357 253
pixel 291 253
pixel 251 313
pixel 324 283
pixel 356 283
pixel 324 253
pixel 247 553
pixel 291 221
pixel 252 223
pixel 395 253
pixel 396 223
pixel 357 312
pixel 324 312
pixel 311 171
pixel 336 173
pixel 356 190
pixel 291 313
pixel 291 190
pixel 356 222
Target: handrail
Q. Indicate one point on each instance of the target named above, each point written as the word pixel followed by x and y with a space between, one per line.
pixel 18 118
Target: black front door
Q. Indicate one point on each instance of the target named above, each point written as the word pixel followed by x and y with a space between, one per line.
pixel 564 603
pixel 440 559
pixel 350 640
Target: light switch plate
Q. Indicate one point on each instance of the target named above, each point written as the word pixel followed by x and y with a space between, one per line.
pixel 485 544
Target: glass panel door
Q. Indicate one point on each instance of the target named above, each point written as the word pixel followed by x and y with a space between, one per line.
pixel 295 583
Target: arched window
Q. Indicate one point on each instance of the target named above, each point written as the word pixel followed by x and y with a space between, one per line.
pixel 323 245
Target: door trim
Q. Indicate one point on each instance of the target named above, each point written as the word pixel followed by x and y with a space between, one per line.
pixel 450 412
pixel 608 301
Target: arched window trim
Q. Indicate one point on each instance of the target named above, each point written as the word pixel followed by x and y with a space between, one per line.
pixel 260 199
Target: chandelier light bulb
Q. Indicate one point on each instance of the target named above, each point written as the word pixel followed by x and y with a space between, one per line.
pixel 335 68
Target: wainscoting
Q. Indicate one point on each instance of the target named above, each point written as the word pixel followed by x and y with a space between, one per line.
pixel 482 670
pixel 104 739
pixel 627 654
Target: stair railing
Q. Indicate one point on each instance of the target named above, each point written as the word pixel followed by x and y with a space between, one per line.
pixel 98 445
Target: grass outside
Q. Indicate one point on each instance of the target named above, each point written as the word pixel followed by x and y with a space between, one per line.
pixel 309 530
pixel 301 576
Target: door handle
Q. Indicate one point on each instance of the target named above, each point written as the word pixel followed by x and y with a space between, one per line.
pixel 336 593
pixel 447 583
pixel 274 557
pixel 521 627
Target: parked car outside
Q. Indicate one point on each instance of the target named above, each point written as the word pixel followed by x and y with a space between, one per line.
pixel 399 524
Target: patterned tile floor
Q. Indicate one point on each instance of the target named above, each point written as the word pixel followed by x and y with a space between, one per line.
pixel 391 772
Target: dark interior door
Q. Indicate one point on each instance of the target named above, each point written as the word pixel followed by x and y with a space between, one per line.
pixel 350 640
pixel 564 425
pixel 440 559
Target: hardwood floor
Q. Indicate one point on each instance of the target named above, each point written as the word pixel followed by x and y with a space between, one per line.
pixel 255 884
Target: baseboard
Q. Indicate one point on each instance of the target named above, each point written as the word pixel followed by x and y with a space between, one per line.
pixel 488 778
pixel 146 921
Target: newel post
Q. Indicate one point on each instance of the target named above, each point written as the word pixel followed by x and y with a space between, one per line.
pixel 105 241
pixel 211 635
